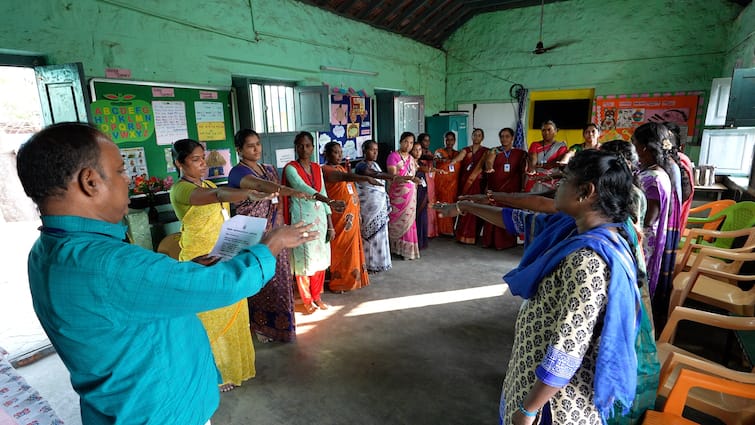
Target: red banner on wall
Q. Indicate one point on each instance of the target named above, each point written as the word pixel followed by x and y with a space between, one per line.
pixel 618 116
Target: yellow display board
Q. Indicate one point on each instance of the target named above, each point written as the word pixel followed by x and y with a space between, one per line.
pixel 571 137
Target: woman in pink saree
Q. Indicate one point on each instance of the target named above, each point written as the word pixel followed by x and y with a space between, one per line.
pixel 402 225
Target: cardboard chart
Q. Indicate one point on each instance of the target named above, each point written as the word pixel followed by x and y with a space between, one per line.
pixel 350 125
pixel 146 118
pixel 619 115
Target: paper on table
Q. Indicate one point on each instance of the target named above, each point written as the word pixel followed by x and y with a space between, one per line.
pixel 236 234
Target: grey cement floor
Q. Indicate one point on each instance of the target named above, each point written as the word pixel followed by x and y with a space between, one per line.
pixel 426 343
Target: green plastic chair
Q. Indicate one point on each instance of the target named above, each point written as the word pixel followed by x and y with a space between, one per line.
pixel 738 216
pixel 711 209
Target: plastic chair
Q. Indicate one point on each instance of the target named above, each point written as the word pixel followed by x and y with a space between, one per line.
pixel 682 392
pixel 686 255
pixel 738 216
pixel 674 358
pixel 716 287
pixel 169 245
pixel 665 343
pixel 713 208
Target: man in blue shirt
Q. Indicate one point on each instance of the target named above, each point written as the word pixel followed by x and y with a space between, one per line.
pixel 122 318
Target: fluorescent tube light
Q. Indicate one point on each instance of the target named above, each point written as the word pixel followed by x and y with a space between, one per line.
pixel 347 71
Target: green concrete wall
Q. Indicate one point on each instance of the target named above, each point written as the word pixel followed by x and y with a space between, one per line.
pixel 741 42
pixel 613 46
pixel 206 42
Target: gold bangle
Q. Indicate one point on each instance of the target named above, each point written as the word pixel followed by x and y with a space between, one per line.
pixel 458 210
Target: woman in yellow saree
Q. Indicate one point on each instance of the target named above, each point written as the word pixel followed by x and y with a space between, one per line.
pixel 202 208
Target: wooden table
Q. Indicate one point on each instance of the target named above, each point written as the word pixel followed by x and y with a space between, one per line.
pixel 717 188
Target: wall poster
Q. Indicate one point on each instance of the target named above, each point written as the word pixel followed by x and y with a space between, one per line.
pixel 135 162
pixel 145 118
pixel 619 115
pixel 350 124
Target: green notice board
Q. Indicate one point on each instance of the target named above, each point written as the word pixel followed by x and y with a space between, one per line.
pixel 145 118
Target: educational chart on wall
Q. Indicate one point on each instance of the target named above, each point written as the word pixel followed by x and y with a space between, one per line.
pixel 146 118
pixel 350 124
pixel 619 115
pixel 136 164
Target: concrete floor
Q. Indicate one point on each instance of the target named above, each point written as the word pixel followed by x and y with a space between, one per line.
pixel 426 342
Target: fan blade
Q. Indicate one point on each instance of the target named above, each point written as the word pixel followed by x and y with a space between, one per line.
pixel 563 43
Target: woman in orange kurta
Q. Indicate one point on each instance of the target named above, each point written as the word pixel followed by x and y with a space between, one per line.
pixel 446 184
pixel 348 270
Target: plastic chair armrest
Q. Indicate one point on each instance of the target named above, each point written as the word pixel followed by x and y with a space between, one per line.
pixel 706 318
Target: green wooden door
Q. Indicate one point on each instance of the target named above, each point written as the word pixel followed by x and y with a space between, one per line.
pixel 62 94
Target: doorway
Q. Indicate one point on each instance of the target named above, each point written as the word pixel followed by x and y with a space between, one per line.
pixel 20 332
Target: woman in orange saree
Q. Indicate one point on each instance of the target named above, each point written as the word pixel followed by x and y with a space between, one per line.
pixel 347 265
pixel 446 184
pixel 427 161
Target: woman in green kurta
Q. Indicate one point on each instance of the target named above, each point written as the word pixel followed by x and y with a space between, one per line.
pixel 310 260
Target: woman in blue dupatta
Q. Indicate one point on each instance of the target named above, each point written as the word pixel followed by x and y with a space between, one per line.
pixel 573 358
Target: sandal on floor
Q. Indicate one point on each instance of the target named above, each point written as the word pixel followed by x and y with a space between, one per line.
pixel 309 309
pixel 263 339
pixel 321 305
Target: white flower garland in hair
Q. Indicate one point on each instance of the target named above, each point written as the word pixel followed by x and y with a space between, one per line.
pixel 666 144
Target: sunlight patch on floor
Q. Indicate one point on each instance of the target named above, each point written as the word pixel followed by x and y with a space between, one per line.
pixel 305 322
pixel 424 300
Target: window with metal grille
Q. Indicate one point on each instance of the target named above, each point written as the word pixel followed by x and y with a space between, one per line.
pixel 273 107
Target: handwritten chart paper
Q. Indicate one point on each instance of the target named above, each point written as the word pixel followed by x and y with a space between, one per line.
pixel 210 123
pixel 170 121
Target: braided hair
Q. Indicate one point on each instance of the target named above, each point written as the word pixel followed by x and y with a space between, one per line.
pixel 687 186
pixel 659 141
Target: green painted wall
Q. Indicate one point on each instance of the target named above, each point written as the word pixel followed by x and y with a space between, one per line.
pixel 207 41
pixel 741 42
pixel 614 46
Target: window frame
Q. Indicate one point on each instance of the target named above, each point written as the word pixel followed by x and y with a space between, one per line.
pixel 272 105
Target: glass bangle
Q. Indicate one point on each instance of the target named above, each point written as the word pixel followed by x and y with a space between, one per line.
pixel 526 412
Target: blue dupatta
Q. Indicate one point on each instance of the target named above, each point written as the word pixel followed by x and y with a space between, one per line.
pixel 616 368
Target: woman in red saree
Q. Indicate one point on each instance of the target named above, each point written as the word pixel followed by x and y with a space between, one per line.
pixel 544 157
pixel 505 167
pixel 347 265
pixel 446 183
pixel 470 160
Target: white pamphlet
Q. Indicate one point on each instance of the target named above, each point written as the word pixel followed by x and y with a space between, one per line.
pixel 237 233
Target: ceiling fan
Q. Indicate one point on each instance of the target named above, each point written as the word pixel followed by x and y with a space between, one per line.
pixel 540 47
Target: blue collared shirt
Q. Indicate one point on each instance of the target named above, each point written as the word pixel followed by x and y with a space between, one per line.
pixel 123 320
